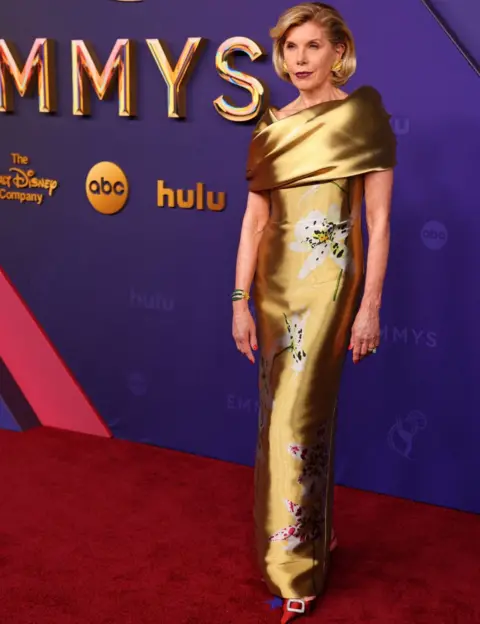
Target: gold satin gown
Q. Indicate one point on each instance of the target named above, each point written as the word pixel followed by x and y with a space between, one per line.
pixel 306 292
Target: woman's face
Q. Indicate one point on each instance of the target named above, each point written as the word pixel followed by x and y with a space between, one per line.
pixel 309 56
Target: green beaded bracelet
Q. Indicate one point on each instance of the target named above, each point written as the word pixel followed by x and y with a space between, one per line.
pixel 239 294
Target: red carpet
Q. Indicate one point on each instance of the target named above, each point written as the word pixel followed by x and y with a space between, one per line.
pixel 96 531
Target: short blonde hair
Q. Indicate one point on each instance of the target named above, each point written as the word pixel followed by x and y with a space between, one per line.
pixel 337 33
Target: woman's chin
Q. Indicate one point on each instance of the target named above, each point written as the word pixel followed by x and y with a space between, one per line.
pixel 306 87
pixel 305 84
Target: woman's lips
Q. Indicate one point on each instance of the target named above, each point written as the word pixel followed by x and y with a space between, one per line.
pixel 303 74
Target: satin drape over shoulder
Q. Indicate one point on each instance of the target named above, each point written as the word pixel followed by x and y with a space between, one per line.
pixel 331 140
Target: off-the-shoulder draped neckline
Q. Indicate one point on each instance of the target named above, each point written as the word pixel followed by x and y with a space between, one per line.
pixel 312 108
pixel 331 140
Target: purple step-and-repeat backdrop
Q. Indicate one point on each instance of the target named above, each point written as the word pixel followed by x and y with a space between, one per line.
pixel 137 302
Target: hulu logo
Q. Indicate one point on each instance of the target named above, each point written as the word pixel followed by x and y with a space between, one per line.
pixel 198 198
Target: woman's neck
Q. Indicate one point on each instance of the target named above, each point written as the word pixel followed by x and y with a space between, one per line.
pixel 325 93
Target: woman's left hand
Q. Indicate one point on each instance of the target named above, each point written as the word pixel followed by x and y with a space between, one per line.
pixel 365 333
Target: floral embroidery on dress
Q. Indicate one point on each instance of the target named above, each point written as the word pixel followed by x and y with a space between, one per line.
pixel 308 525
pixel 324 237
pixel 309 518
pixel 266 401
pixel 313 475
pixel 293 339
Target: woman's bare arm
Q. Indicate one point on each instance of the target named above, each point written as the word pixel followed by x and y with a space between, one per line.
pixel 378 194
pixel 254 222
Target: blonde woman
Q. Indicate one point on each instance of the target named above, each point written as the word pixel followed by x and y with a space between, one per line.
pixel 310 165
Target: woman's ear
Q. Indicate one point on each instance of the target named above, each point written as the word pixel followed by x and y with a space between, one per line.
pixel 340 49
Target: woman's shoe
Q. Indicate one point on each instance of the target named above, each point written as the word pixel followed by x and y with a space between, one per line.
pixel 295 608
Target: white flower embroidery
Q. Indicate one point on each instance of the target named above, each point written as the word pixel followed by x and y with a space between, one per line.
pixel 323 236
pixel 293 339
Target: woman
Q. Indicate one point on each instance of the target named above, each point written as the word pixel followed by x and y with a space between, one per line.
pixel 310 164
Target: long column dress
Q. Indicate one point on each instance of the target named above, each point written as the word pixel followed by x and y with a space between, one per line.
pixel 306 291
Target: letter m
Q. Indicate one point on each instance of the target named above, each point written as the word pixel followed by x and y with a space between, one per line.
pixel 87 69
pixel 40 61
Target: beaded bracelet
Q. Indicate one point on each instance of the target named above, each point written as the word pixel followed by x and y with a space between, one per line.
pixel 239 294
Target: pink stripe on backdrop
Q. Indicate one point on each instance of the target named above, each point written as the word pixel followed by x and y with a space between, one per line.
pixel 47 384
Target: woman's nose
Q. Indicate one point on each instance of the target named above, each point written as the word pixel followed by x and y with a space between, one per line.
pixel 301 59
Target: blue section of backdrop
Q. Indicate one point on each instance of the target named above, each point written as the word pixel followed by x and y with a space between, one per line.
pixel 138 303
pixel 462 18
pixel 6 419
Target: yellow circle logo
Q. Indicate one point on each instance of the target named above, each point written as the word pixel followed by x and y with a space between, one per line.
pixel 107 188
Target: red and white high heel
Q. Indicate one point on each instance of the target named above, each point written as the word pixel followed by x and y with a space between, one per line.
pixel 295 608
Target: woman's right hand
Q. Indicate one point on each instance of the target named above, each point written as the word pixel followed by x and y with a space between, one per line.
pixel 243 329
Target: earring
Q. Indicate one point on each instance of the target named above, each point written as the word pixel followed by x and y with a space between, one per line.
pixel 337 67
pixel 285 69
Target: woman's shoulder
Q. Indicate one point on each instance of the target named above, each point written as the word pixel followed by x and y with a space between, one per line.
pixel 368 94
pixel 262 121
pixel 368 100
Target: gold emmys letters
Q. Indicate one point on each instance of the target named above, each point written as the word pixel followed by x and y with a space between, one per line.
pixel 177 78
pixel 85 64
pixel 88 74
pixel 226 71
pixel 40 60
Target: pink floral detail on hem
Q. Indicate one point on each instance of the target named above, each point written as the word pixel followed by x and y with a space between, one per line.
pixel 309 518
pixel 308 526
pixel 314 473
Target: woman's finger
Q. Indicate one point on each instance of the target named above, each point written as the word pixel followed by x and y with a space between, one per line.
pixel 352 341
pixel 249 354
pixel 356 351
pixel 244 347
pixel 240 343
pixel 253 339
pixel 363 348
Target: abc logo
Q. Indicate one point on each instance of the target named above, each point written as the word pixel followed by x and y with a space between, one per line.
pixel 434 235
pixel 107 188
